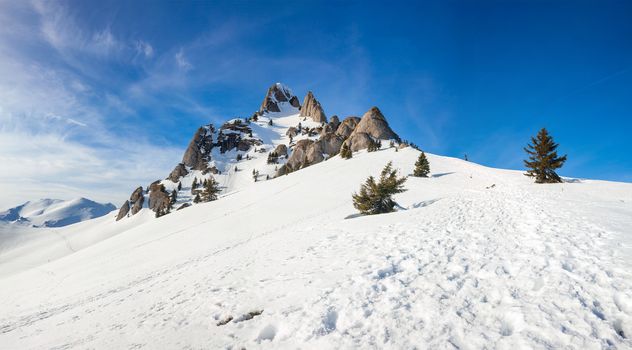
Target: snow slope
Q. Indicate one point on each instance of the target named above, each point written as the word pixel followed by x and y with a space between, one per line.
pixel 285 263
pixel 55 212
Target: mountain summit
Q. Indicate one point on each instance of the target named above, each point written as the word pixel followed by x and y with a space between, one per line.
pixel 55 212
pixel 280 138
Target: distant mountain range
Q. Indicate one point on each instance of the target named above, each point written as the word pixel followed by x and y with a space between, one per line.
pixel 55 212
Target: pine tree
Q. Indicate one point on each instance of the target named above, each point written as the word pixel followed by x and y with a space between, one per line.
pixel 345 151
pixel 422 167
pixel 543 159
pixel 197 198
pixel 374 145
pixel 376 198
pixel 210 191
pixel 270 122
pixel 179 186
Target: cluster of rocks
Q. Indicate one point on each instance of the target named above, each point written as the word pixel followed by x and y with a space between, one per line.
pixel 357 133
pixel 322 142
pixel 276 94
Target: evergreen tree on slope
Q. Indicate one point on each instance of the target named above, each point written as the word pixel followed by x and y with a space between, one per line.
pixel 543 158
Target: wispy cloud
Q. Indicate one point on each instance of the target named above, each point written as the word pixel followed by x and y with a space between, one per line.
pixel 182 61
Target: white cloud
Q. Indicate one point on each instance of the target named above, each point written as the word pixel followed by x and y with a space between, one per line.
pixel 182 61
pixel 144 48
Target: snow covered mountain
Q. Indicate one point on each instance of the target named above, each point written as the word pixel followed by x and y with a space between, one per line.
pixel 55 212
pixel 281 137
pixel 476 258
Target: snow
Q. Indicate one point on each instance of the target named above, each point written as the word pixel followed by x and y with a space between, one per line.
pixel 55 212
pixel 285 263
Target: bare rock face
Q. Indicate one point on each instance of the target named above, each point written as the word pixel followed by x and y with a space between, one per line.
pixel 299 155
pixel 198 153
pixel 345 128
pixel 291 131
pixel 358 141
pixel 329 144
pixel 179 171
pixel 281 150
pixel 277 94
pixel 334 122
pixel 136 200
pixel 123 211
pixel 158 197
pixel 311 108
pixel 313 154
pixel 375 125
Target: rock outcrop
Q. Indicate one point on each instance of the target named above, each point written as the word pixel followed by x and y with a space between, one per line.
pixel 298 159
pixel 198 153
pixel 281 150
pixel 347 126
pixel 311 108
pixel 374 124
pixel 136 200
pixel 123 211
pixel 159 199
pixel 278 93
pixel 358 141
pixel 179 171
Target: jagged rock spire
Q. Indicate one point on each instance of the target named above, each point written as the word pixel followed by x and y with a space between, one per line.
pixel 277 94
pixel 311 108
pixel 372 126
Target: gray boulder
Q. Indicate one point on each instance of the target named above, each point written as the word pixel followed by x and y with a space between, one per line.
pixel 345 128
pixel 281 150
pixel 291 131
pixel 298 157
pixel 136 200
pixel 311 108
pixel 179 171
pixel 329 144
pixel 123 211
pixel 358 141
pixel 158 197
pixel 313 155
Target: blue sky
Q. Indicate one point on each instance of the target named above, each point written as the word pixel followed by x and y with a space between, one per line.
pixel 99 97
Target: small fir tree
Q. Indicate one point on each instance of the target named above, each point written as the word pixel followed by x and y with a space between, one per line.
pixel 197 198
pixel 345 151
pixel 543 158
pixel 422 167
pixel 270 122
pixel 179 186
pixel 374 145
pixel 210 191
pixel 376 197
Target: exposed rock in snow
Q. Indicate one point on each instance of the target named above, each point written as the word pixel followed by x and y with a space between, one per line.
pixel 123 211
pixel 298 158
pixel 277 94
pixel 375 125
pixel 179 171
pixel 346 127
pixel 358 141
pixel 312 109
pixel 281 150
pixel 137 199
pixel 198 153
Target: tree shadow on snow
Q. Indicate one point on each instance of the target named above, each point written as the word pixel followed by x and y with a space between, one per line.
pixel 442 174
pixel 424 203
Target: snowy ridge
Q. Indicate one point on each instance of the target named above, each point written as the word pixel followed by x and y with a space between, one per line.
pixel 55 212
pixel 479 257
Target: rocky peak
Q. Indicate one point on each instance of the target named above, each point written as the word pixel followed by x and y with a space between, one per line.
pixel 311 108
pixel 198 153
pixel 277 94
pixel 375 125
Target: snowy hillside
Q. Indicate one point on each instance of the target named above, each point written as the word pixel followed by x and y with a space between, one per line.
pixel 55 212
pixel 480 258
